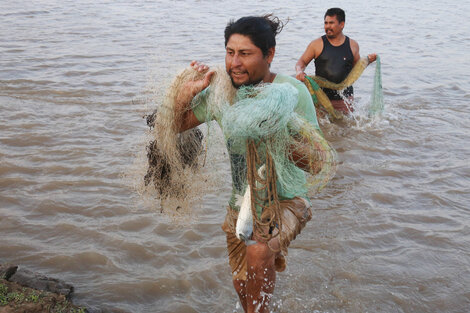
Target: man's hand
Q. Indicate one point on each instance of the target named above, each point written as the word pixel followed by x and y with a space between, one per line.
pixel 299 73
pixel 200 67
pixel 305 156
pixel 193 87
pixel 372 57
pixel 184 117
pixel 300 76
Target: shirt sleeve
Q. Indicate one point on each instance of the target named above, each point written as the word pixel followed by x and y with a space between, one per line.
pixel 305 106
pixel 199 106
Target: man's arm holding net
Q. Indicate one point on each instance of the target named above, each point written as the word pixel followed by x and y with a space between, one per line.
pixel 184 117
pixel 311 152
pixel 304 155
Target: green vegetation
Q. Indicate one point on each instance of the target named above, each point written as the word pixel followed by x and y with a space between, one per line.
pixel 16 297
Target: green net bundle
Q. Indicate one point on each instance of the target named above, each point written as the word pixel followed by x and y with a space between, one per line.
pixel 262 125
pixel 259 112
pixel 265 114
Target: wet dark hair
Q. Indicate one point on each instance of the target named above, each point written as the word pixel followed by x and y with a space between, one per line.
pixel 340 15
pixel 262 30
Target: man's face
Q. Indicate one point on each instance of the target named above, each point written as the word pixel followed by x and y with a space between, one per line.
pixel 245 62
pixel 332 27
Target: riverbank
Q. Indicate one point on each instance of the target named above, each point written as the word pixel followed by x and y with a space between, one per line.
pixel 27 292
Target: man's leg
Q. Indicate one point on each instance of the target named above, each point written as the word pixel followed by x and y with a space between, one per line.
pixel 237 258
pixel 240 288
pixel 254 266
pixel 263 260
pixel 261 277
pixel 344 106
pixel 256 290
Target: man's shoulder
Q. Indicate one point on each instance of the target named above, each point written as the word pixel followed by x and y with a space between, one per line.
pixel 297 84
pixel 353 42
pixel 316 47
pixel 354 47
pixel 318 42
pixel 319 39
pixel 305 106
pixel 283 78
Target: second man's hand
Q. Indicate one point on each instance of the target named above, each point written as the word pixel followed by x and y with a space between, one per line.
pixel 372 57
pixel 299 73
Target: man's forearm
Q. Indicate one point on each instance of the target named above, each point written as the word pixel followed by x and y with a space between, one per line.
pixel 300 66
pixel 305 156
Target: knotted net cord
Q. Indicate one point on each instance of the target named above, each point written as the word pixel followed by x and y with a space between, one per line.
pixel 263 194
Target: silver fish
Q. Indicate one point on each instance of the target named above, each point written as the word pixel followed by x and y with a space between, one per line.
pixel 244 227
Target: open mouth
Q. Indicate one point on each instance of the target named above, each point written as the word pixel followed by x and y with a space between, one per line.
pixel 238 75
pixel 234 73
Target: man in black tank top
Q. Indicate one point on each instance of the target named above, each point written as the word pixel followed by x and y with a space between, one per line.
pixel 335 55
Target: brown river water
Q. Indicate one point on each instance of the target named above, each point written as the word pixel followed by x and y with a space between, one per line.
pixel 390 233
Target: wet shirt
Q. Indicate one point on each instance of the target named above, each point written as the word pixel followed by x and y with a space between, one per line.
pixel 334 64
pixel 304 108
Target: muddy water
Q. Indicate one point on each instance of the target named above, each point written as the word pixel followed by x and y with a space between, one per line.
pixel 389 234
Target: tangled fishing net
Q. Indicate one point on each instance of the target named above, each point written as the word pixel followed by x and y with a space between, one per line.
pixel 322 102
pixel 260 127
pixel 165 166
pixel 264 116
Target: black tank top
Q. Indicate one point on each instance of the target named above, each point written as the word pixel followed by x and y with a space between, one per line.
pixel 334 64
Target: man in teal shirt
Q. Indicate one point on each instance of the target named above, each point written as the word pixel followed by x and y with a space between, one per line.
pixel 250 48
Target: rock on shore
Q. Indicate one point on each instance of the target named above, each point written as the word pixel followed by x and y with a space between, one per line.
pixel 27 292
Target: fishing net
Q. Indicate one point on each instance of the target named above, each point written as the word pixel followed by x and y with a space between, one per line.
pixel 261 127
pixel 376 106
pixel 315 83
pixel 174 159
pixel 265 116
pixel 165 166
pixel 263 124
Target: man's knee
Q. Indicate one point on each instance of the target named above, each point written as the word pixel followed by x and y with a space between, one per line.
pixel 260 255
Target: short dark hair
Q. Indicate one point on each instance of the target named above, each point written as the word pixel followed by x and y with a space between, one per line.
pixel 262 30
pixel 340 15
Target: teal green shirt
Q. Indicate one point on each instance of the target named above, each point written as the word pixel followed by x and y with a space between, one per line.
pixel 304 108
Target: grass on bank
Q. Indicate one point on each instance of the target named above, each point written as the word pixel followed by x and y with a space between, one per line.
pixel 15 297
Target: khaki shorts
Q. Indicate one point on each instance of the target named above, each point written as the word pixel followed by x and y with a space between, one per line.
pixel 295 215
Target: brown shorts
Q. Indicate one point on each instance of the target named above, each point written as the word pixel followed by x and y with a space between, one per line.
pixel 296 214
